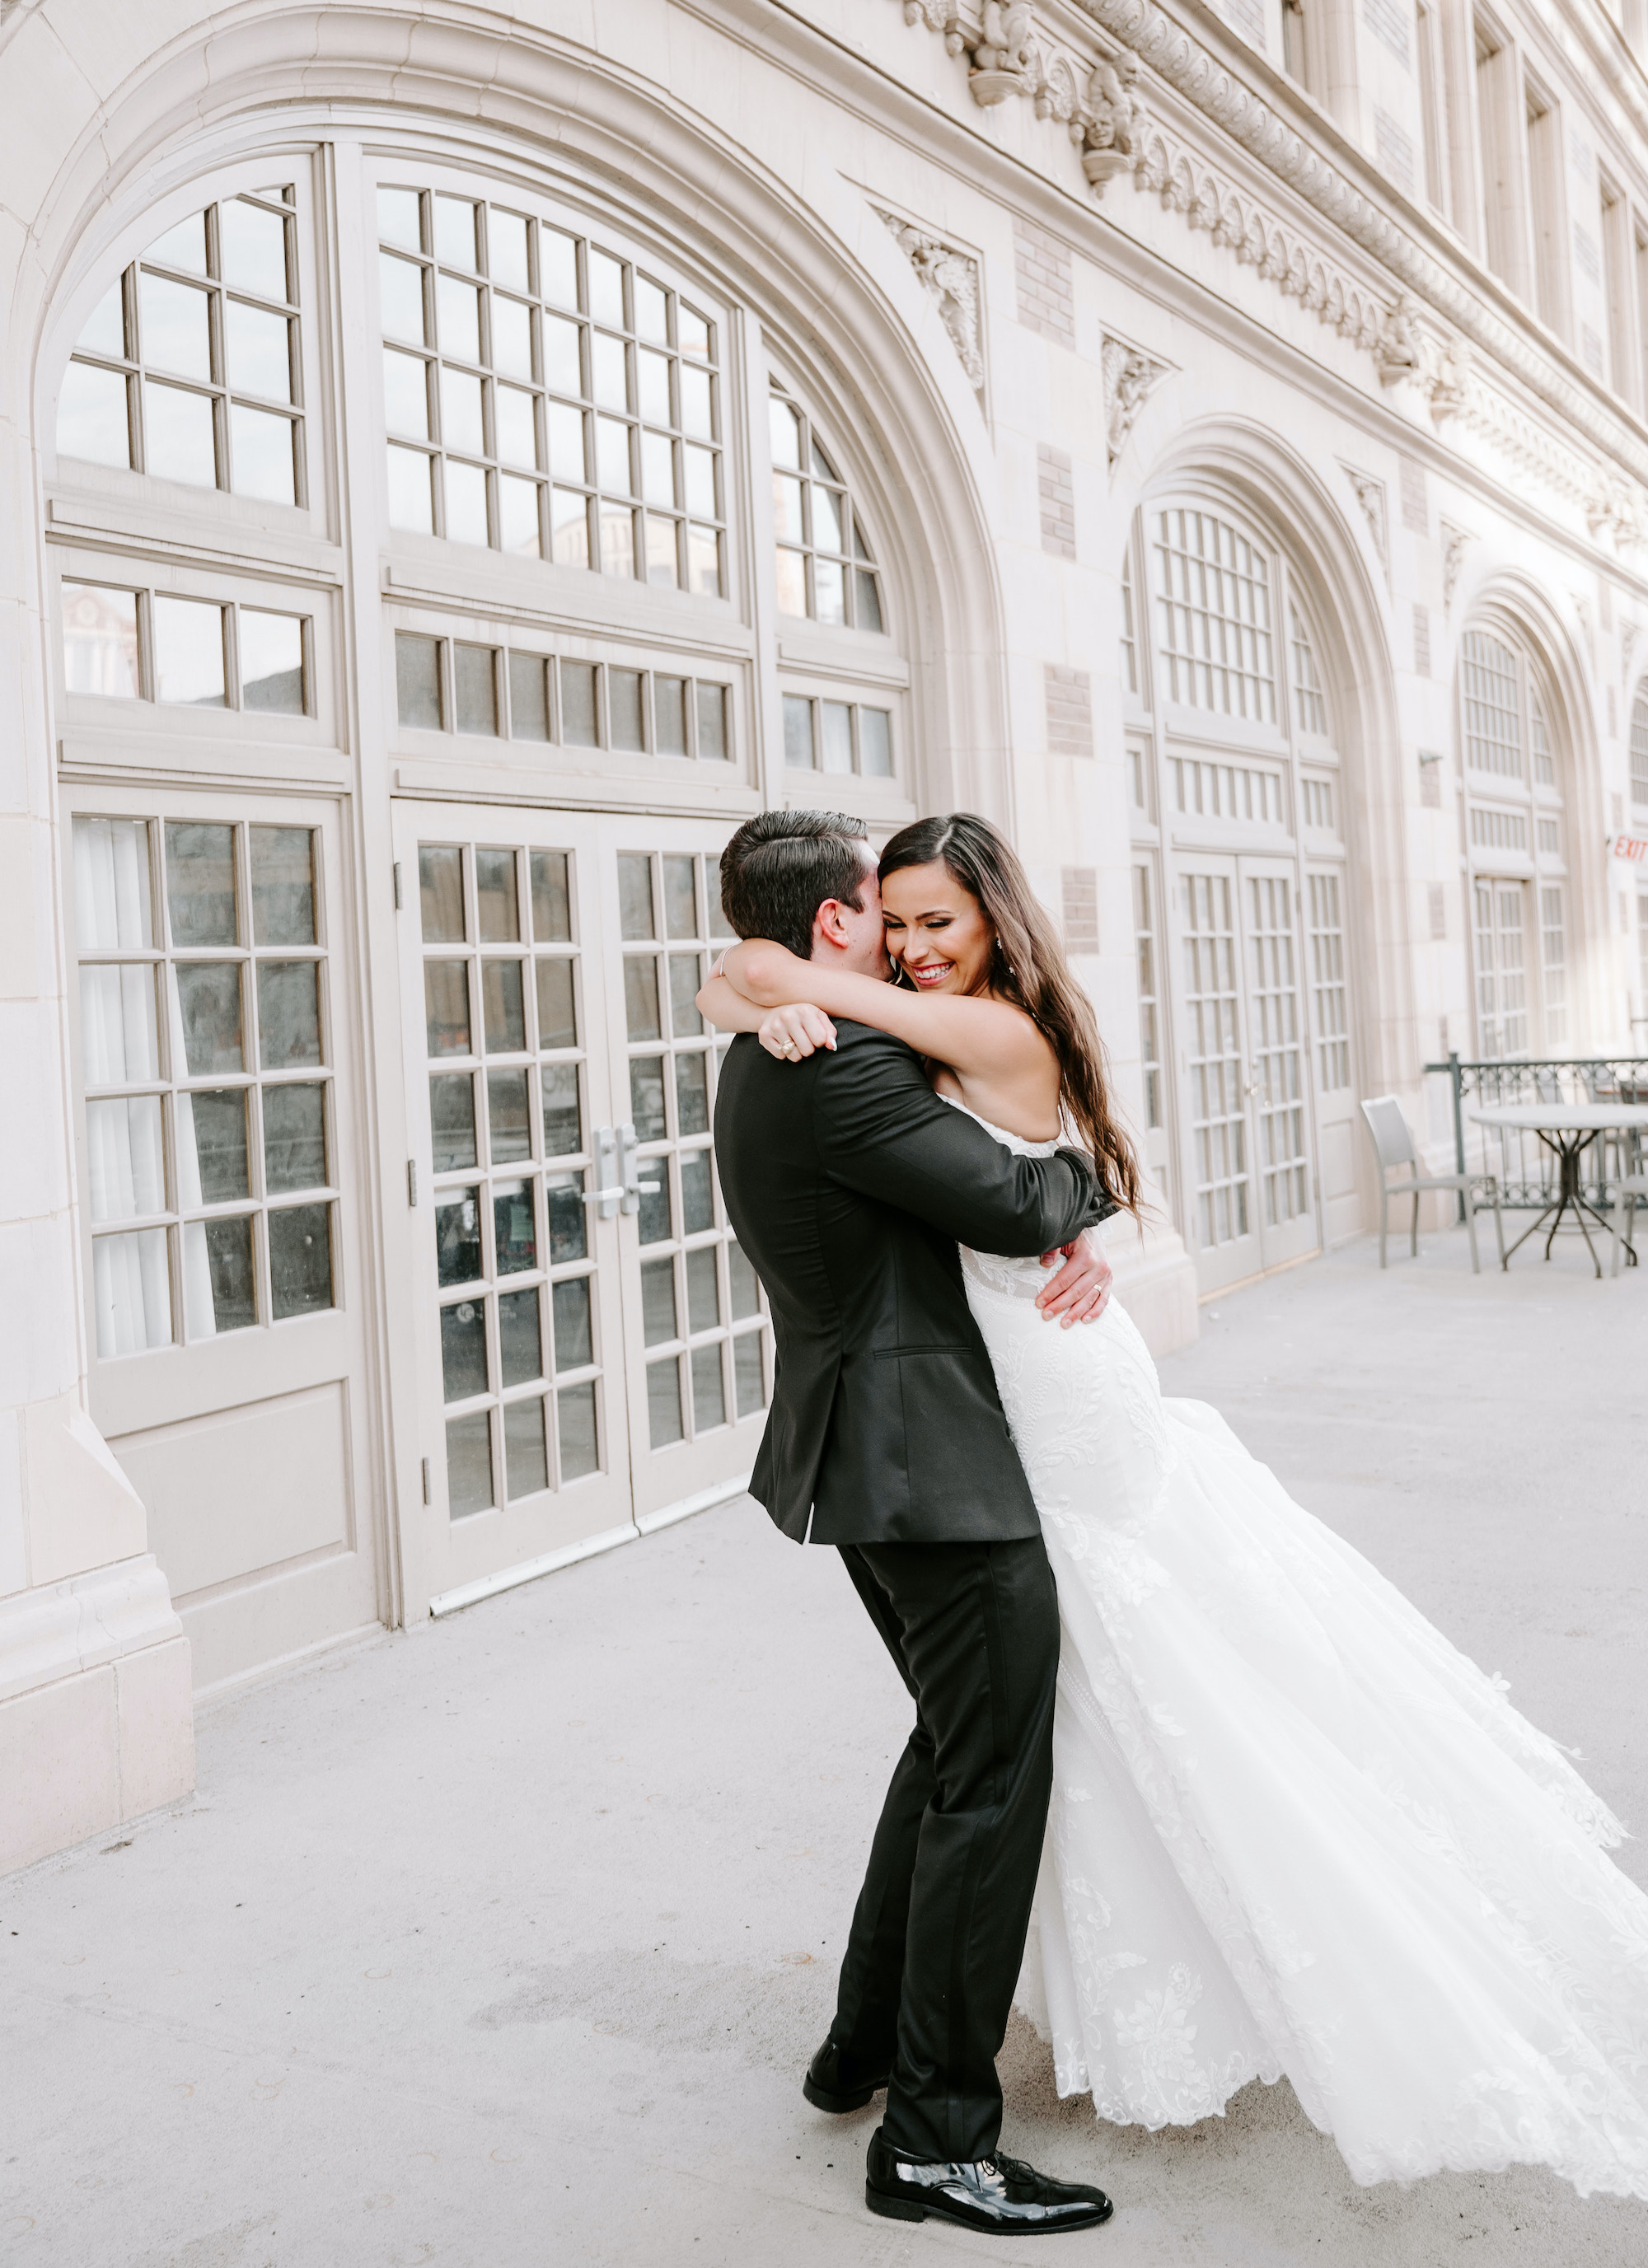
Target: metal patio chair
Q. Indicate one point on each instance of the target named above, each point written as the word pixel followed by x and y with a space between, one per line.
pixel 1628 1195
pixel 1392 1140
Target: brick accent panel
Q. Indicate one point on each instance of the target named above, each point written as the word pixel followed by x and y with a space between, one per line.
pixel 1422 640
pixel 1081 909
pixel 1046 298
pixel 1416 513
pixel 1055 485
pixel 1069 711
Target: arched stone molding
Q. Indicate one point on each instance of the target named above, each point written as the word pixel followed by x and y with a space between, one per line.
pixel 809 256
pixel 1308 515
pixel 1512 602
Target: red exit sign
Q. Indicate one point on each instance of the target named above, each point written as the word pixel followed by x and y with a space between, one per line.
pixel 1630 846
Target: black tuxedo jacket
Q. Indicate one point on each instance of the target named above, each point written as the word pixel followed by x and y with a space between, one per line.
pixel 850 1183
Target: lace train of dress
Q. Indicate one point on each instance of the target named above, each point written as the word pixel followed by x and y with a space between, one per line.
pixel 1293 1829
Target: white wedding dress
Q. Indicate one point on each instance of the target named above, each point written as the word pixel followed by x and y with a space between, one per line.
pixel 1292 1829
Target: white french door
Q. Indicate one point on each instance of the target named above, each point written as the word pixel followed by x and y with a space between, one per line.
pixel 588 1330
pixel 1245 1129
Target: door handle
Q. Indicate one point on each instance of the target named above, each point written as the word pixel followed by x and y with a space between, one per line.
pixel 631 1188
pixel 607 1193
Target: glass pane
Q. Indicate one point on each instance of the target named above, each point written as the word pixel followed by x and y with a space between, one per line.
pixel 658 469
pixel 526 1459
pixel 664 563
pixel 578 704
pixel 562 365
pixel 519 1353
pixel 259 346
pixel 502 1009
pixel 551 904
pixel 111 884
pixel 506 248
pixel 508 1117
pixel 252 248
pixel 441 889
pixel 635 894
pixel 458 316
pixel 447 1006
pixel 789 522
pixel 694 333
pixel 469 1463
pixel 698 1211
pixel 401 289
pixel 282 885
pixel 697 412
pixel 119 1029
pixel 829 590
pixel 606 288
pixel 704 562
pixel 189 652
pixel 418 682
pixel 711 721
pixel 704 1298
pixel 512 336
pixel 125 1161
pixel 411 503
pixel 217 1293
pixel 792 583
pixel 686 1022
pixel 452 1121
pixel 455 232
pixel 557 1026
pixel 652 374
pixel 458 1236
pixel 200 891
pixel 529 703
pixel 640 999
pixel 747 1373
pixel 92 421
pixel 612 456
pixel 576 1408
pixel 652 310
pixel 105 332
pixel 514 1227
pixel 608 371
pixel 475 684
pixel 681 917
pixel 131 1292
pixel 658 1302
pixel 406 393
pixel 746 1290
pixel 798 732
pixel 299 1260
pixel 646 1098
pixel 574 1344
pixel 180 436
pixel 518 525
pixel 260 450
pixel 495 896
pixel 624 709
pixel 826 519
pixel 466 503
pixel 867 600
pixel 693 1105
pixel 835 733
pixel 563 1132
pixel 709 1397
pixel 462 425
pixel 874 743
pixel 565 428
pixel 176 327
pixel 464 1349
pixel 214 1127
pixel 663 1402
pixel 564 1206
pixel 399 218
pixel 654 1222
pixel 669 716
pixel 701 472
pixel 208 994
pixel 288 1013
pixel 294 1138
pixel 271 662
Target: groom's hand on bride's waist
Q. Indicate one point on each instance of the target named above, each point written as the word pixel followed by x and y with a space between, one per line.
pixel 1081 1290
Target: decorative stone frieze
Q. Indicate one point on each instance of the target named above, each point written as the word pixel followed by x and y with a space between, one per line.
pixel 1129 376
pixel 951 280
pixel 1114 119
pixel 1005 60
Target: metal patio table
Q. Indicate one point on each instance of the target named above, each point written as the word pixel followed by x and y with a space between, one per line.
pixel 1567 1130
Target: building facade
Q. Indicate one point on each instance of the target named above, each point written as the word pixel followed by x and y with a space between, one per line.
pixel 456 467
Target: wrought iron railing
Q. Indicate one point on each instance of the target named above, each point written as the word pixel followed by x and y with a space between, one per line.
pixel 1525 1168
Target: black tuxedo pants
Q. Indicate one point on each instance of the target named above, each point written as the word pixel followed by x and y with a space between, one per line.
pixel 939 1932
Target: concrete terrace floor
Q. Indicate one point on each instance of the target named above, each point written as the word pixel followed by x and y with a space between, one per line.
pixel 506 1942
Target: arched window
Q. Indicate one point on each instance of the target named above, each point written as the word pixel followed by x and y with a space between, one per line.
pixel 1515 845
pixel 188 368
pixel 1639 751
pixel 1213 616
pixel 826 568
pixel 1311 709
pixel 546 396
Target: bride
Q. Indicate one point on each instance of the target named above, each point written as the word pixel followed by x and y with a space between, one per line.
pixel 1293 1831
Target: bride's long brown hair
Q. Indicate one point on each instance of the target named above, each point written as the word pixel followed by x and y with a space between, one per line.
pixel 1028 968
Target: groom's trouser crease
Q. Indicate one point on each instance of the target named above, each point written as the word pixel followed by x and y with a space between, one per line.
pixel 938 1935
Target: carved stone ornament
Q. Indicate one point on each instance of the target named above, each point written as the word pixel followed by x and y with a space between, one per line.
pixel 1114 117
pixel 1371 495
pixel 1453 542
pixel 951 280
pixel 1129 377
pixel 1005 60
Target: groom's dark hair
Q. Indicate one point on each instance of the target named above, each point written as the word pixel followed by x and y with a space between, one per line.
pixel 781 865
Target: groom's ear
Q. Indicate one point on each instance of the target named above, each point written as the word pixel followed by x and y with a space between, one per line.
pixel 828 926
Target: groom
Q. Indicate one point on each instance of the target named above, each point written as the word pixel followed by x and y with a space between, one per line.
pixel 850 1183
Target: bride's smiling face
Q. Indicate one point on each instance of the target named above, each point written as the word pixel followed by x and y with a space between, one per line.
pixel 937 932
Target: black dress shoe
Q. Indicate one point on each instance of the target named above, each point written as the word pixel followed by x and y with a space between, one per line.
pixel 837 2081
pixel 1002 2196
